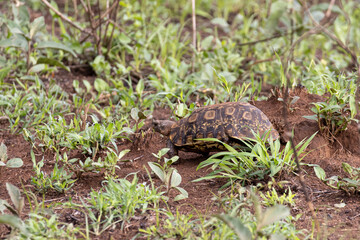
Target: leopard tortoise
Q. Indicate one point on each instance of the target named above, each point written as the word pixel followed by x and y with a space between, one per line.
pixel 229 122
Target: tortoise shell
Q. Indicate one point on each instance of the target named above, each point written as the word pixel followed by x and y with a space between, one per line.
pixel 228 122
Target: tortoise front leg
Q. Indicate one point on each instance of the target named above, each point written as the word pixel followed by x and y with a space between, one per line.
pixel 173 151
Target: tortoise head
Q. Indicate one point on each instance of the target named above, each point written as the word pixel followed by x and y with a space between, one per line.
pixel 162 126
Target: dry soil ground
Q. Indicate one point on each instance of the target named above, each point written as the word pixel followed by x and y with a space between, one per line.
pixel 339 223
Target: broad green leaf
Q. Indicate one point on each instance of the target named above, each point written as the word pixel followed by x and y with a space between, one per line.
pixel 140 87
pixel 52 62
pixel 320 173
pixel 207 43
pixel 276 12
pixel 134 114
pixel 175 179
pixel 37 68
pixel 157 170
pixel 17 41
pixel 100 85
pixel 353 183
pixel 294 100
pixel 15 196
pixel 14 163
pixel 347 168
pixel 55 45
pixel 272 215
pixel 11 220
pixel 183 194
pixel 324 7
pixel 277 236
pixel 352 104
pixel 124 39
pixel 2 205
pixel 237 226
pixel 163 151
pixel 4 72
pixel 221 22
pixel 122 153
pixel 318 15
pixel 87 85
pixel 312 117
pixel 181 110
pixel 3 152
pixel 36 26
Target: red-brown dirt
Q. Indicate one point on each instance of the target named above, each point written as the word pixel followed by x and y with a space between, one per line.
pixel 337 222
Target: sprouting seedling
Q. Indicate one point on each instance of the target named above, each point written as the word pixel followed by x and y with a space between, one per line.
pixel 168 175
pixel 4 162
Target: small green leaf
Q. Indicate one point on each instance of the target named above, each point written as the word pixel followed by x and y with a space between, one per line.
pixel 37 68
pixel 134 114
pixel 157 170
pixel 14 163
pixel 181 110
pixel 52 62
pixel 100 85
pixel 122 153
pixel 207 42
pixel 3 153
pixel 312 117
pixel 3 203
pixel 163 151
pixel 272 215
pixel 236 225
pixel 11 220
pixel 4 72
pixel 175 179
pixel 17 41
pixel 320 173
pixel 15 196
pixel 140 87
pixel 36 26
pixel 55 45
pixel 124 39
pixel 347 168
pixel 87 85
pixel 339 205
pixel 294 100
pixel 183 194
pixel 221 22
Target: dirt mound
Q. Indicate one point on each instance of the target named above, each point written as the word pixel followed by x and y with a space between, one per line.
pixel 329 155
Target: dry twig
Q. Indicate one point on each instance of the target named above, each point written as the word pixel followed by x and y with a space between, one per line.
pixel 65 18
pixel 194 33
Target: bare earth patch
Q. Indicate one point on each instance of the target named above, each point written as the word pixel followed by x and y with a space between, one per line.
pixel 337 222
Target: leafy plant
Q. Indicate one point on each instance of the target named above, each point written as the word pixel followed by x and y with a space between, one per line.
pixel 265 158
pixel 9 163
pixel 119 202
pixel 59 179
pixel 271 197
pixel 238 221
pixel 108 164
pixel 290 102
pixel 32 105
pixel 25 36
pixel 263 218
pixel 176 225
pixel 334 115
pixel 37 225
pixel 332 118
pixel 350 185
pixel 168 175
